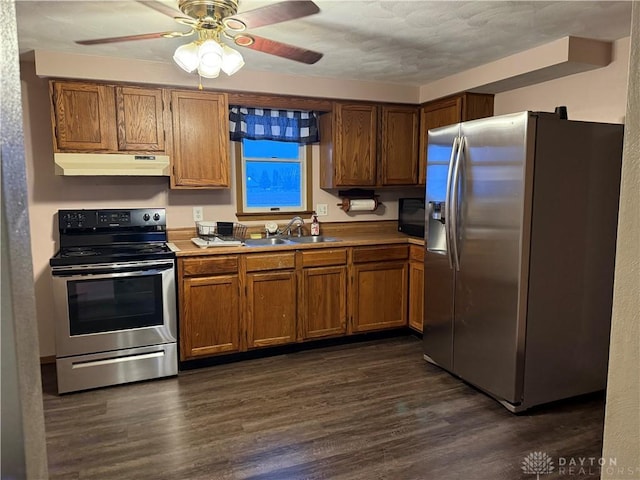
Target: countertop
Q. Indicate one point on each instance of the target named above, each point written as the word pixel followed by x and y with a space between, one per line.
pixel 186 248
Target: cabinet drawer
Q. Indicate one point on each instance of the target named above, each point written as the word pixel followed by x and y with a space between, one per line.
pixel 209 265
pixel 380 254
pixel 271 261
pixel 324 258
pixel 416 253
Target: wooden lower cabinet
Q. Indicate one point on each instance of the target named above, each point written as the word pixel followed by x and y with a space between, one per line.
pixel 379 297
pixel 235 303
pixel 271 308
pixel 324 302
pixel 416 287
pixel 210 321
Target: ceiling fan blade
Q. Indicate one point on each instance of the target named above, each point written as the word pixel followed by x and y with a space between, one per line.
pixel 276 13
pixel 168 11
pixel 126 38
pixel 280 49
pixel 162 8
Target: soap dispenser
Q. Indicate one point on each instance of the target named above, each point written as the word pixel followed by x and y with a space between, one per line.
pixel 315 225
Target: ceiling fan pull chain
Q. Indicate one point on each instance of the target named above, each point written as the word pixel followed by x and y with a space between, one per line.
pixel 199 82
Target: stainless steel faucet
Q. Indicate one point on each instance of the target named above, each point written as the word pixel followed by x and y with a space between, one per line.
pixel 295 220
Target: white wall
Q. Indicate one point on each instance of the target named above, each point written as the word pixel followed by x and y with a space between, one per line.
pixel 622 418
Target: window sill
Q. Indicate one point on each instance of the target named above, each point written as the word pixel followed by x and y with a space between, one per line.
pixel 273 215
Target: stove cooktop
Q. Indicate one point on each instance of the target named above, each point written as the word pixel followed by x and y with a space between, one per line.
pixel 111 235
pixel 111 253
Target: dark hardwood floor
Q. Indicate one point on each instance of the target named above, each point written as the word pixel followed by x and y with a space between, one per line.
pixel 373 410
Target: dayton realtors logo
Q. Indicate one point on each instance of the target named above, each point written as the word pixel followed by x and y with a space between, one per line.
pixel 537 463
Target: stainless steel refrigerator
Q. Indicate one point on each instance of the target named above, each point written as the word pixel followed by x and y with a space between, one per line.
pixel 520 247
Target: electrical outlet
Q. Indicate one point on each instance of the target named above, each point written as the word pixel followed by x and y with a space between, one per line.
pixel 197 214
pixel 322 209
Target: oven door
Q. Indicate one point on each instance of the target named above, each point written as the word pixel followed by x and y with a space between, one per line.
pixel 115 306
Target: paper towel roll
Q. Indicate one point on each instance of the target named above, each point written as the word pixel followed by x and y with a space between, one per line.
pixel 362 205
pixel 359 205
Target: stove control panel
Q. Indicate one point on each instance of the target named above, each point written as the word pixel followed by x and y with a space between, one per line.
pixel 113 219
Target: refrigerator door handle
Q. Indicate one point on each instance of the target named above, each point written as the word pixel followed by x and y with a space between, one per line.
pixel 447 203
pixel 453 224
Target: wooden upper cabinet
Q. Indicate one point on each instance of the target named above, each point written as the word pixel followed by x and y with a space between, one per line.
pixel 447 111
pixel 200 140
pixel 399 156
pixel 355 144
pixel 140 113
pixel 365 145
pixel 83 117
pixel 92 117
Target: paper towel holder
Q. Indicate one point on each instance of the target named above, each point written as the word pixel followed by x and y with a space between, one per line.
pixel 351 200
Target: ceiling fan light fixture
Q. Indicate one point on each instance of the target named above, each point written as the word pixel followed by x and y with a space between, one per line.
pixel 232 60
pixel 186 56
pixel 210 54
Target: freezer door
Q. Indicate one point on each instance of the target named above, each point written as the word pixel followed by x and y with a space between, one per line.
pixel 490 204
pixel 438 274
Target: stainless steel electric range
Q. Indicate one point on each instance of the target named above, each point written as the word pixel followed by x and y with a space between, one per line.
pixel 115 298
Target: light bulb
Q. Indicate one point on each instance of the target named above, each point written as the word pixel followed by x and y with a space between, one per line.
pixel 208 72
pixel 232 60
pixel 186 56
pixel 210 54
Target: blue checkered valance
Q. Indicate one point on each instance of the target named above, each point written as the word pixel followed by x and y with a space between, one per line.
pixel 269 124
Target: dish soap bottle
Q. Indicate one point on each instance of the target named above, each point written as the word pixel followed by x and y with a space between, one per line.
pixel 315 225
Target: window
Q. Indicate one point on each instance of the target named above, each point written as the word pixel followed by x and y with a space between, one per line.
pixel 273 172
pixel 272 177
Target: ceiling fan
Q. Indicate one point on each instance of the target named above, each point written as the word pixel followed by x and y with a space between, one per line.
pixel 212 20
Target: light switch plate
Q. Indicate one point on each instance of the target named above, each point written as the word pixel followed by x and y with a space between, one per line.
pixel 197 214
pixel 322 209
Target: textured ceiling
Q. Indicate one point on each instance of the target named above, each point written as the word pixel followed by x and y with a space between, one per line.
pixel 405 42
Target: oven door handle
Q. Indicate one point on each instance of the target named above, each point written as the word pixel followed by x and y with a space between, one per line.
pixel 107 272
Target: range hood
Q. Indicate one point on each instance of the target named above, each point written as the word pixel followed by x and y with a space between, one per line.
pixel 111 164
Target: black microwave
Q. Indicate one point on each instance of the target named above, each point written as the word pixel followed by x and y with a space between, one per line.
pixel 411 214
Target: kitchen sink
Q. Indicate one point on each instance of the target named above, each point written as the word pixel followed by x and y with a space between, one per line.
pixel 264 242
pixel 313 239
pixel 274 241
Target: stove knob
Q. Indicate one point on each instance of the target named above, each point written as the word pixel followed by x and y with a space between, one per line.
pixel 156 216
pixel 146 217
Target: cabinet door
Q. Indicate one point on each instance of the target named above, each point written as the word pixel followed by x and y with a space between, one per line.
pixel 84 117
pixel 324 292
pixel 416 295
pixel 271 308
pixel 399 157
pixel 434 115
pixel 201 139
pixel 355 144
pixel 379 296
pixel 210 322
pixel 139 113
